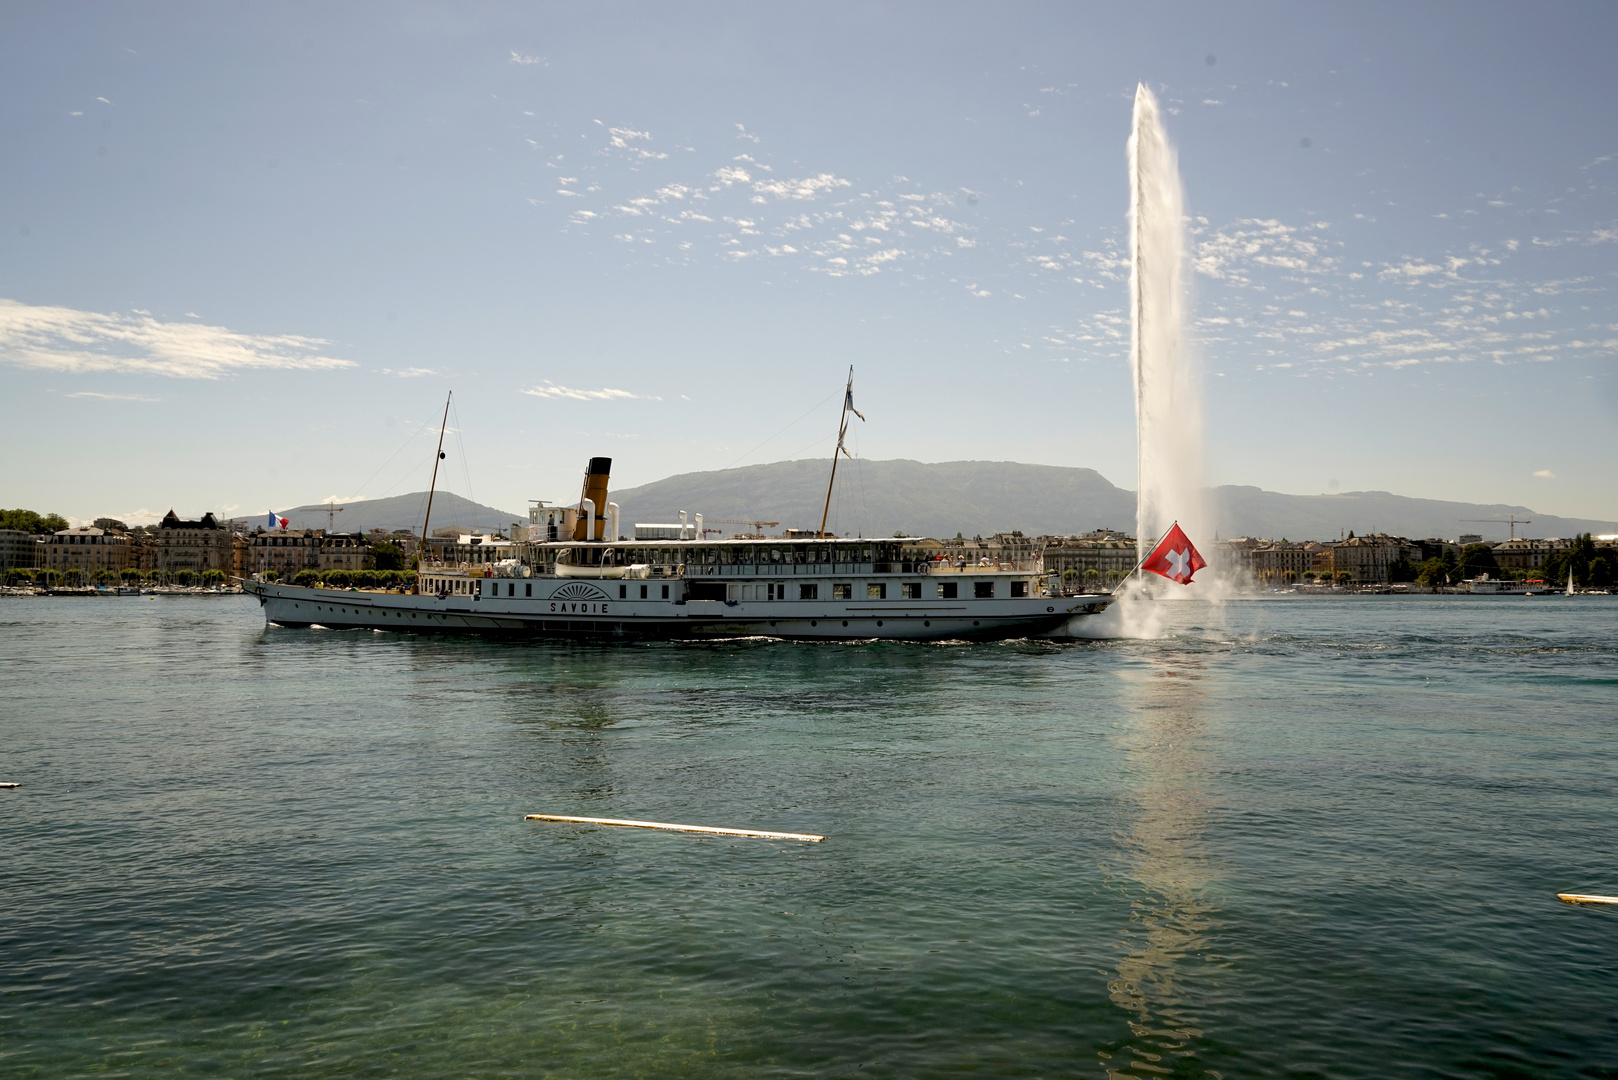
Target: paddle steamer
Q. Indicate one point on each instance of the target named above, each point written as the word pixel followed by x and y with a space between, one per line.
pixel 572 574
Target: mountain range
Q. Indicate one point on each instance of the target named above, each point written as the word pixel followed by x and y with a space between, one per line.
pixel 879 498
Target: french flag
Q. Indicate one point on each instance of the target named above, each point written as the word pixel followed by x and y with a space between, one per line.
pixel 277 522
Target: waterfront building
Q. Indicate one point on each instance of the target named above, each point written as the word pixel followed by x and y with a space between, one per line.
pixel 1285 561
pixel 474 549
pixel 1369 560
pixel 18 549
pixel 1102 557
pixel 284 551
pixel 198 546
pixel 1522 553
pixel 344 551
pixel 86 550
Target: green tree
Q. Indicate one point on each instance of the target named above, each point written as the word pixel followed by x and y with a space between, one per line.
pixel 106 577
pixel 306 577
pixel 271 575
pixel 387 556
pixel 214 577
pixel 28 521
pixel 1477 560
pixel 129 573
pixel 1602 572
pixel 1401 570
pixel 184 578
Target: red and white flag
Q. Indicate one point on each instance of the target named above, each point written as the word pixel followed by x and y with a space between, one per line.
pixel 1175 557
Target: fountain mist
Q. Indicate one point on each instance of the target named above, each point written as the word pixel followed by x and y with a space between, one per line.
pixel 1168 376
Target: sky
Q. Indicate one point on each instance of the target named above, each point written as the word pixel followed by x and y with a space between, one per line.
pixel 247 249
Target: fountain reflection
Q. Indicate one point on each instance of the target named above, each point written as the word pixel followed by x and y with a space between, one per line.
pixel 1164 870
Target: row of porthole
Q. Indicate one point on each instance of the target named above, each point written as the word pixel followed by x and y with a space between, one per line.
pixel 924 622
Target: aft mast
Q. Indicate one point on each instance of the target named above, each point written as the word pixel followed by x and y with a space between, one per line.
pixel 421 547
pixel 842 430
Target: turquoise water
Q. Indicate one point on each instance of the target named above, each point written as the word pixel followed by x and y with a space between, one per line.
pixel 1311 837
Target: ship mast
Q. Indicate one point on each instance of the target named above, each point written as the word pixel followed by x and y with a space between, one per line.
pixel 842 430
pixel 421 547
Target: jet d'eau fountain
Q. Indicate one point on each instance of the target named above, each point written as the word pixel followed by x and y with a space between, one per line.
pixel 1167 371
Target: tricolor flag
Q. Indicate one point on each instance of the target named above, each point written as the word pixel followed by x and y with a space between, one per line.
pixel 1175 557
pixel 277 522
pixel 272 519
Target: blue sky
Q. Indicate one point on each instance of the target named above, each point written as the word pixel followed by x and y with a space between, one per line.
pixel 245 250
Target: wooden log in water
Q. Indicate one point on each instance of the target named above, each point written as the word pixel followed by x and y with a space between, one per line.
pixel 808 837
pixel 1585 898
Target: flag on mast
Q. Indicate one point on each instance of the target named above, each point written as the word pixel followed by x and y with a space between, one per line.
pixel 848 399
pixel 1175 557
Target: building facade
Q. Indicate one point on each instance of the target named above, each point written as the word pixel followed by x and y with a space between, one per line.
pixel 289 551
pixel 198 546
pixel 1103 557
pixel 1368 560
pixel 18 549
pixel 86 550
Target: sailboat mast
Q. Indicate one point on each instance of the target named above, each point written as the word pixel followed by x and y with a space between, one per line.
pixel 433 487
pixel 842 429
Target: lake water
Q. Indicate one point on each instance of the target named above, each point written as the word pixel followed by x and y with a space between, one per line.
pixel 1295 837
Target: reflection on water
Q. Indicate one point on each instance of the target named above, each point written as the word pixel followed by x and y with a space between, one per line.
pixel 1166 872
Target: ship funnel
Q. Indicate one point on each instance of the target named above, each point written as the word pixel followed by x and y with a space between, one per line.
pixel 595 492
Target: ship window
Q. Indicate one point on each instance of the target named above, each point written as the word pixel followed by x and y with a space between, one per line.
pixel 665 592
pixel 946 590
pixel 623 592
pixel 1019 588
pixel 528 590
pixel 983 590
pixel 808 592
pixel 912 590
pixel 842 592
pixel 511 590
pixel 876 592
pixel 643 592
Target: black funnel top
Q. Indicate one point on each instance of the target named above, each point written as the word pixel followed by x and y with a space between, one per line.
pixel 600 465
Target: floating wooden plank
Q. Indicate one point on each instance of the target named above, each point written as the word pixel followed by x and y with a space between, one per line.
pixel 808 837
pixel 1585 898
pixel 10 785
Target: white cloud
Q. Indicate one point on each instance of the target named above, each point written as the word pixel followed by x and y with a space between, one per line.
pixel 805 188
pixel 551 390
pixel 1544 474
pixel 113 397
pixel 528 61
pixel 67 340
pixel 410 372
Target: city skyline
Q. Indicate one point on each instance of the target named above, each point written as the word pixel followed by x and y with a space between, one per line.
pixel 244 254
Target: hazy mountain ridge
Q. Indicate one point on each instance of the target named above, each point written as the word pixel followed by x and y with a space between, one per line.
pixel 878 498
pixel 980 497
pixel 402 512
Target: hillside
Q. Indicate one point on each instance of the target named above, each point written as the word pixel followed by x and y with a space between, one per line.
pixel 980 497
pixel 403 512
pixel 878 498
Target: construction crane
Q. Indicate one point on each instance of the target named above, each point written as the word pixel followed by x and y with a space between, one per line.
pixel 332 511
pixel 1512 520
pixel 757 527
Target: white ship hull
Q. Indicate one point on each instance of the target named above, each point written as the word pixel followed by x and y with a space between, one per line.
pixel 572 608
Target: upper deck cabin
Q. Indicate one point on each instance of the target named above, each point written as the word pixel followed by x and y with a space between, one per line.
pixel 760 557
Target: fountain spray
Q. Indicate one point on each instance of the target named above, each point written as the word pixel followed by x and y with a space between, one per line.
pixel 1167 370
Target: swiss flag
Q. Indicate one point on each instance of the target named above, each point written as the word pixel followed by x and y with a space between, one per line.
pixel 1174 557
